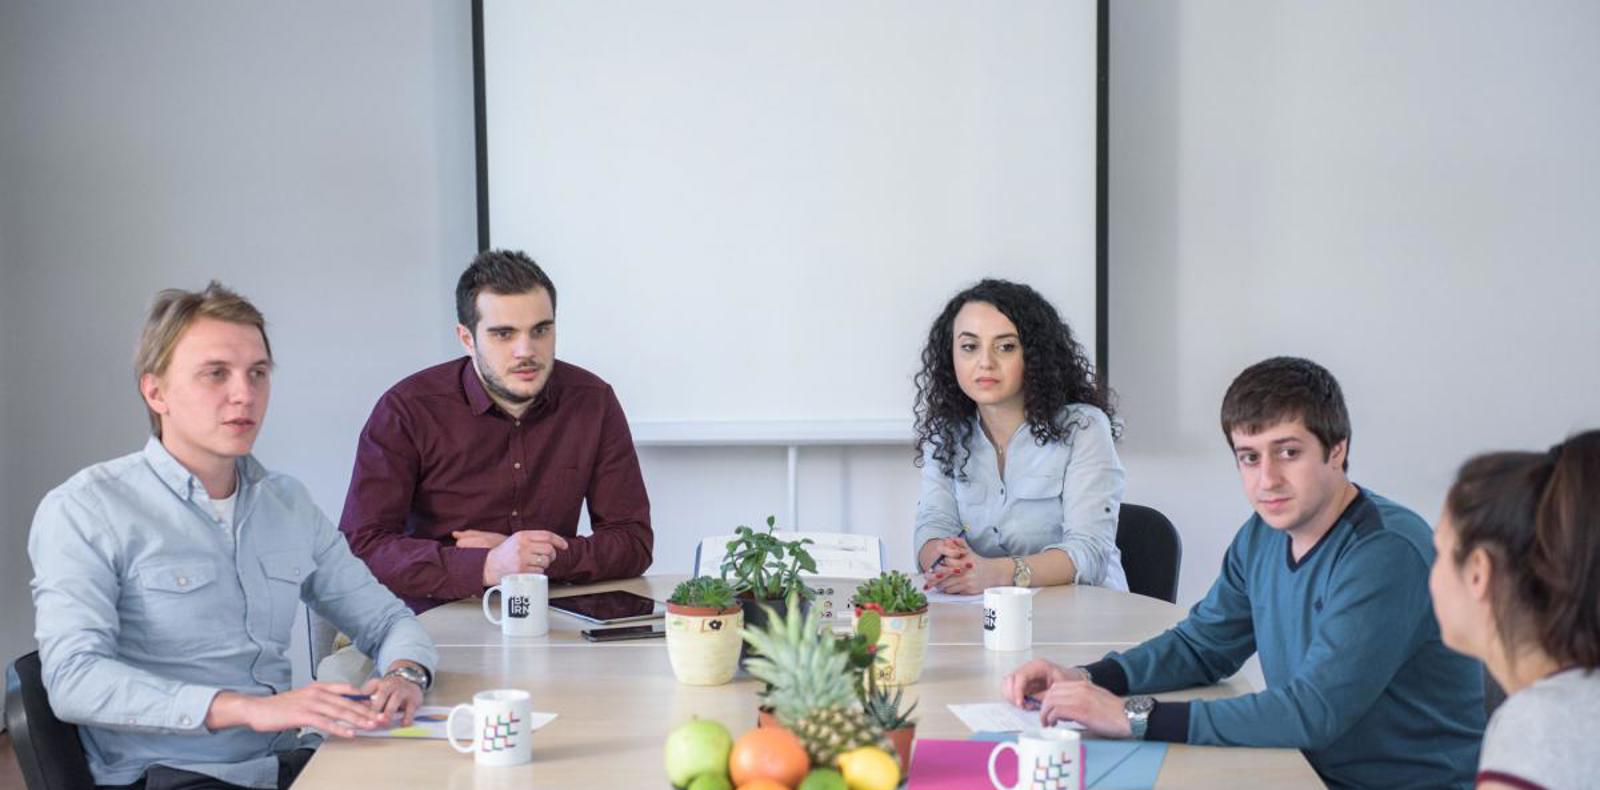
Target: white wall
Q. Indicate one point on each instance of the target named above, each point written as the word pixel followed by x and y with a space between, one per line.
pixel 1405 192
pixel 317 157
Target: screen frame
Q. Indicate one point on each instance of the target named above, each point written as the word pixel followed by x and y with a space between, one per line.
pixel 657 611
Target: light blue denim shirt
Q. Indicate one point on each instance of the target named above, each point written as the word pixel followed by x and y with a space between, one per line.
pixel 148 606
pixel 1063 495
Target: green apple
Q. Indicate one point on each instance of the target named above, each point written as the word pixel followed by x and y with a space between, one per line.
pixel 698 747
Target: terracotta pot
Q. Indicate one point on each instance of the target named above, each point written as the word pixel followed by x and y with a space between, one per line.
pixel 703 643
pixel 766 718
pixel 902 740
pixel 902 644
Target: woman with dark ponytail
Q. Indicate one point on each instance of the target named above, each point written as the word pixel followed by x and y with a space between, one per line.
pixel 1021 484
pixel 1516 583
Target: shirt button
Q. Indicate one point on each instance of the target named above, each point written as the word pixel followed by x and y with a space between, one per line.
pixel 513 512
pixel 519 423
pixel 183 581
pixel 184 720
pixel 132 720
pixel 516 465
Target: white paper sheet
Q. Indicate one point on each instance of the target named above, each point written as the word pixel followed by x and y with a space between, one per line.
pixel 430 722
pixel 1002 717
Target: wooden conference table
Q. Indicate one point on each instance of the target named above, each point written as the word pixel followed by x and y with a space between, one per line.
pixel 617 701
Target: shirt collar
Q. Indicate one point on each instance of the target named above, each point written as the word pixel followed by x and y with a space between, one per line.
pixel 480 403
pixel 177 477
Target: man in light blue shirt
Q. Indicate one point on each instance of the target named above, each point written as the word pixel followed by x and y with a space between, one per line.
pixel 166 581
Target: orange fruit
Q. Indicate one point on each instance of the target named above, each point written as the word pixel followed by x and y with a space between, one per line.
pixel 764 784
pixel 771 753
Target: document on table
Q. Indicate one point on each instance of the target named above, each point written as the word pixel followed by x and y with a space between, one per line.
pixel 1002 717
pixel 430 722
pixel 934 596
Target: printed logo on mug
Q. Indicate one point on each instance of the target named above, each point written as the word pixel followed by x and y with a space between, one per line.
pixel 524 604
pixel 1008 618
pixel 501 730
pixel 1050 759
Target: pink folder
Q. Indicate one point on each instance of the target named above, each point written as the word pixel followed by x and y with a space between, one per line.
pixel 956 765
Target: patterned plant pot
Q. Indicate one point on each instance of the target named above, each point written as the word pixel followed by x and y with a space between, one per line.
pixel 703 643
pixel 902 643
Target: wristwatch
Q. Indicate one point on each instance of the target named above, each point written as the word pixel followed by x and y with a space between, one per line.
pixel 1138 710
pixel 1023 574
pixel 421 677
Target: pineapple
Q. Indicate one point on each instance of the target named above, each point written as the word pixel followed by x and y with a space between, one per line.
pixel 829 732
pixel 810 686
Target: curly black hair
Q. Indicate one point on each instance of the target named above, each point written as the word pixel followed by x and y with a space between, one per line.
pixel 1056 372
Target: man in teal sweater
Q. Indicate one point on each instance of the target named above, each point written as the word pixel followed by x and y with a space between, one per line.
pixel 1329 584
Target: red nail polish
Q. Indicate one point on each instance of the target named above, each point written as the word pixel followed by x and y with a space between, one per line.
pixel 969 565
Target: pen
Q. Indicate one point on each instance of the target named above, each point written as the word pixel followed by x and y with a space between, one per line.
pixel 357 697
pixel 940 560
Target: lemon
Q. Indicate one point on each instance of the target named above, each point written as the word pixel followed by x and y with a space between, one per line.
pixel 870 768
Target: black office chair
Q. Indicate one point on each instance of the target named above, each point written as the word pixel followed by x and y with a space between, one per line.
pixel 1152 552
pixel 48 749
pixel 1493 695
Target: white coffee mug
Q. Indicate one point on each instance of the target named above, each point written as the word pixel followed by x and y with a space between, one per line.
pixel 1051 759
pixel 1008 618
pixel 501 731
pixel 524 604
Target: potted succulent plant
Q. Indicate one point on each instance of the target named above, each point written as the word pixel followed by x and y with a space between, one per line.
pixel 886 711
pixel 903 632
pixel 765 571
pixel 703 622
pixel 812 682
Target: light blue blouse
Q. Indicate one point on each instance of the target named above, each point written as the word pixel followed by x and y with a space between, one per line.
pixel 1063 495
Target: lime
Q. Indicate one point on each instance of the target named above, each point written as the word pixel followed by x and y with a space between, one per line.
pixel 823 779
pixel 711 781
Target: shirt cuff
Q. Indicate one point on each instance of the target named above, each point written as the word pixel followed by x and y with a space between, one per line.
pixel 189 709
pixel 1107 673
pixel 1169 721
pixel 464 571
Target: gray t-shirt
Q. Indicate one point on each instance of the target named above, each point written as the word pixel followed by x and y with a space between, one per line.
pixel 1544 735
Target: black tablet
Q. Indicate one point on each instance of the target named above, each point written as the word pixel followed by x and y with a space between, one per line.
pixel 605 608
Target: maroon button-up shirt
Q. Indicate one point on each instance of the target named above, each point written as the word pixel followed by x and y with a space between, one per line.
pixel 437 455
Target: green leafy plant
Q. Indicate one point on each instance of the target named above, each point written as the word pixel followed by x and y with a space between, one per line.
pixel 883 708
pixel 892 592
pixel 707 592
pixel 765 567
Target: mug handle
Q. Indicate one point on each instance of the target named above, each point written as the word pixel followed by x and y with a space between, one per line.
pixel 487 594
pixel 450 730
pixel 993 757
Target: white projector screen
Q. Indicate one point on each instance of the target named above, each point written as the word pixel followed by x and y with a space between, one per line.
pixel 753 211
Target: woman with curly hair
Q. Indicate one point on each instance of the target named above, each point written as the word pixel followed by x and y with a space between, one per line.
pixel 1021 484
pixel 1516 583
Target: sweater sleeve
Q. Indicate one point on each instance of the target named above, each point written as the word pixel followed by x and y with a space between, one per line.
pixel 1209 645
pixel 1377 606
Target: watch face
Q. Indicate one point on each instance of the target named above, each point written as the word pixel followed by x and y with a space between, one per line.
pixel 1140 705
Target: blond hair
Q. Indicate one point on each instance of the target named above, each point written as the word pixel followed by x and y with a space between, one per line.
pixel 172 313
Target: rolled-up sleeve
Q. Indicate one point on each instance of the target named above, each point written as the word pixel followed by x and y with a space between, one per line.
pixel 938 515
pixel 76 585
pixel 343 590
pixel 621 544
pixel 387 469
pixel 1091 496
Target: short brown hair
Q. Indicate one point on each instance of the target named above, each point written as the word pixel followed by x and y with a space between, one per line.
pixel 504 272
pixel 1286 388
pixel 1537 516
pixel 171 314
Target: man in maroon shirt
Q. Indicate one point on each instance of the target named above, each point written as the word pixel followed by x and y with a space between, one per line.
pixel 474 469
